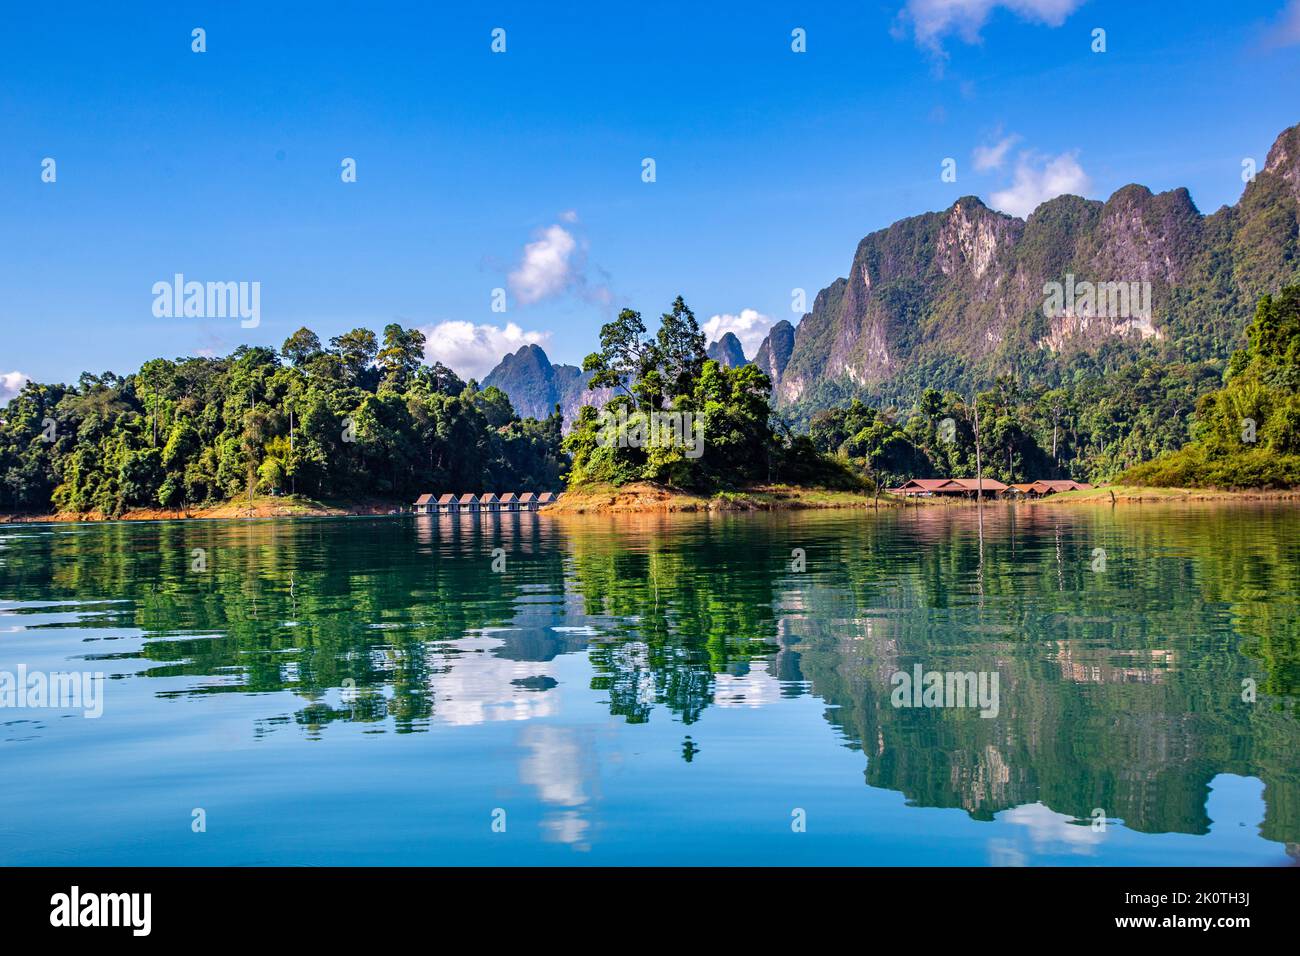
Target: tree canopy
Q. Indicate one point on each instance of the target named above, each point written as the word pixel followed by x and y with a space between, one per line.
pixel 1247 433
pixel 680 418
pixel 346 421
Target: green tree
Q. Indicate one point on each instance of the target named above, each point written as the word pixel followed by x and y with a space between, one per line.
pixel 301 347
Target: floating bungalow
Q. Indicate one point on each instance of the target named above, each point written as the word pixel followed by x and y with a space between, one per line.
pixel 489 502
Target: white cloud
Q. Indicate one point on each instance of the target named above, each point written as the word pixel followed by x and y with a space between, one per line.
pixel 750 327
pixel 932 20
pixel 474 350
pixel 555 264
pixel 1039 179
pixel 11 383
pixel 1053 831
pixel 992 157
pixel 546 268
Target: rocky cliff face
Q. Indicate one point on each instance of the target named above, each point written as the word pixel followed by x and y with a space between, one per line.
pixel 774 354
pixel 955 298
pixel 1284 160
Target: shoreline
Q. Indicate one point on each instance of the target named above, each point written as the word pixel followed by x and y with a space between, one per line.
pixel 649 498
pixel 646 498
pixel 286 507
pixel 1144 494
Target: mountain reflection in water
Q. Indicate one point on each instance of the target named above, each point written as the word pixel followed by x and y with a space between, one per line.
pixel 660 650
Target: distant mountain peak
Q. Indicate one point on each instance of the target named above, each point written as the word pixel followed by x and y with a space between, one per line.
pixel 535 386
pixel 728 351
pixel 1284 158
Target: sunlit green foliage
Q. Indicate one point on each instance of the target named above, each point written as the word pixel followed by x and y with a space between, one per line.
pixel 350 420
pixel 1246 434
pixel 725 435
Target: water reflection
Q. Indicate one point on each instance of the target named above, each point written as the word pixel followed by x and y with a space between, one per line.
pixel 1121 689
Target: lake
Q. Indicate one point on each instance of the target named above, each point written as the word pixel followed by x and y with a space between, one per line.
pixel 697 689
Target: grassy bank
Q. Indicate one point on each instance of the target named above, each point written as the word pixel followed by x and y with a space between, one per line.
pixel 285 506
pixel 641 497
pixel 1136 494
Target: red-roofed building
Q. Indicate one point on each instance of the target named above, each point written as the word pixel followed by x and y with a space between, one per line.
pixel 920 486
pixel 949 487
pixel 972 485
pixel 1047 486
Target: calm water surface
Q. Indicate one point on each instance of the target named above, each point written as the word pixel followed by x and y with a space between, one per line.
pixel 658 691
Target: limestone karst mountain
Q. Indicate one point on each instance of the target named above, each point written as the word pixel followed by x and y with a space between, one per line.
pixel 728 351
pixel 535 386
pixel 956 298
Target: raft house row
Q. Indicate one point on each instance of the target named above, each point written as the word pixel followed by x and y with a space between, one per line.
pixel 473 504
pixel 968 487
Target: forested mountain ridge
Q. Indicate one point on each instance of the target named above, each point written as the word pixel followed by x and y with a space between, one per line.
pixel 955 299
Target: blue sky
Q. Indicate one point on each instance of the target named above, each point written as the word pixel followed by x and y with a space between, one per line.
pixel 523 170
